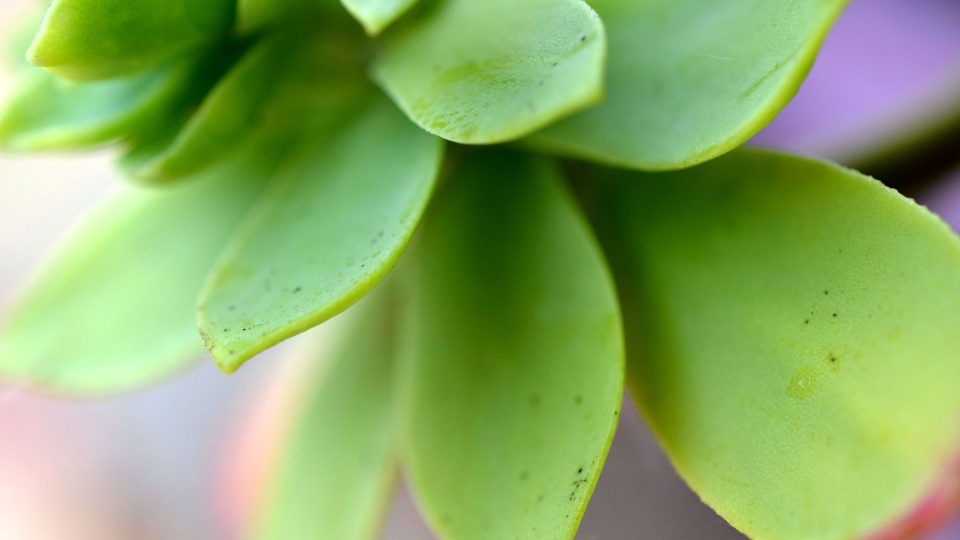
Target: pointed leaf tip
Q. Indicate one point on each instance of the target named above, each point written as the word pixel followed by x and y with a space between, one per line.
pixel 100 39
pixel 114 307
pixel 340 214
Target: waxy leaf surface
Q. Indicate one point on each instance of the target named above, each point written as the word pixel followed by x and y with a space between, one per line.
pixel 99 39
pixel 490 71
pixel 338 470
pixel 513 356
pixel 792 338
pixel 224 118
pixel 115 307
pixel 375 15
pixel 344 208
pixel 688 81
pixel 47 112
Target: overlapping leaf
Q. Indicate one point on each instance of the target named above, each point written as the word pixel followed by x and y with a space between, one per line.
pixel 100 39
pixel 491 71
pixel 513 360
pixel 50 113
pixel 115 307
pixel 224 118
pixel 345 207
pixel 792 338
pixel 689 81
pixel 375 15
pixel 337 473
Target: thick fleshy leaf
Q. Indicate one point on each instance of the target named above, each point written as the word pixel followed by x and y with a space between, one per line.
pixel 792 338
pixel 338 470
pixel 99 39
pixel 224 118
pixel 688 81
pixel 343 210
pixel 485 72
pixel 375 15
pixel 115 306
pixel 51 113
pixel 513 362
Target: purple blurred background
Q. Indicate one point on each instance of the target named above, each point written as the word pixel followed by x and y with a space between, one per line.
pixel 171 462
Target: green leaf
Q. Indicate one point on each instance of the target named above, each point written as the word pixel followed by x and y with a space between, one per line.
pixel 343 210
pixel 225 117
pixel 338 470
pixel 49 113
pixel 115 306
pixel 375 15
pixel 100 39
pixel 689 81
pixel 257 15
pixel 513 358
pixel 486 72
pixel 792 338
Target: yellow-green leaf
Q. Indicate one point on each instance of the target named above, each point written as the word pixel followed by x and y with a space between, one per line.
pixel 792 338
pixel 336 474
pixel 100 39
pixel 225 117
pixel 48 113
pixel 513 356
pixel 690 80
pixel 115 305
pixel 493 70
pixel 343 210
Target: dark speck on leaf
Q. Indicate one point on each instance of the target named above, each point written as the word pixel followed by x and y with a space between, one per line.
pixel 524 475
pixel 825 293
pixel 297 289
pixel 578 399
pixel 583 38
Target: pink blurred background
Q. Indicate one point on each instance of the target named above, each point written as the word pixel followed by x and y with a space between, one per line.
pixel 176 461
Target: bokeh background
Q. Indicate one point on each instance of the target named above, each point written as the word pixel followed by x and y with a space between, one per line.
pixel 182 460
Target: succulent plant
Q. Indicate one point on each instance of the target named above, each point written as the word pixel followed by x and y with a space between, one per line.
pixel 578 214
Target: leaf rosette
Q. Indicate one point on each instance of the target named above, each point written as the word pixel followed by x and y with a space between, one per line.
pixel 785 325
